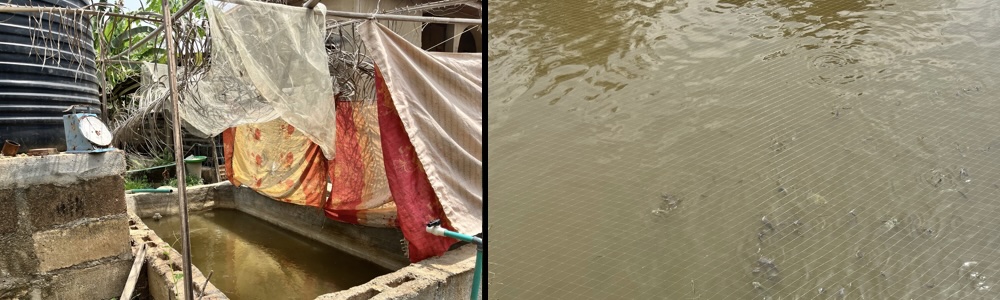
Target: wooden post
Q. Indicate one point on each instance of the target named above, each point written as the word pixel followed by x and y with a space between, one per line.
pixel 133 276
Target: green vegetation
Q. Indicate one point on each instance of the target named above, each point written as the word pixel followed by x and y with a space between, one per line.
pixel 189 181
pixel 139 182
pixel 165 158
pixel 114 35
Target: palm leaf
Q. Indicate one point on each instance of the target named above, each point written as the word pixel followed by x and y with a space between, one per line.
pixel 152 52
pixel 119 41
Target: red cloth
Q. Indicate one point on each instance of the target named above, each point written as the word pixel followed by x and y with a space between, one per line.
pixel 360 193
pixel 415 200
pixel 228 139
pixel 349 160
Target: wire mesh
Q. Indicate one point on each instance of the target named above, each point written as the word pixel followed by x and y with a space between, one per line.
pixel 743 150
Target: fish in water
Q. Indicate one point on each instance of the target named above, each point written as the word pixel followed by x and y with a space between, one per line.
pixel 767 223
pixel 891 223
pixel 670 202
pixel 157 217
pixel 768 263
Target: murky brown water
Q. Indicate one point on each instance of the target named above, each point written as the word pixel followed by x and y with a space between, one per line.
pixel 253 259
pixel 744 149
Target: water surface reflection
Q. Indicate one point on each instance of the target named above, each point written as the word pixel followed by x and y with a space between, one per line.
pixel 744 149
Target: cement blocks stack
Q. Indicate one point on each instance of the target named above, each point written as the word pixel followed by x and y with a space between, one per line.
pixel 64 232
pixel 444 277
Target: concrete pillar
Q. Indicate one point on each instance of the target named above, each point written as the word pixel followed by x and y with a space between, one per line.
pixel 452 41
pixel 63 228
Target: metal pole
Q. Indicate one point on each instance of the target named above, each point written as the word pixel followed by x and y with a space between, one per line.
pixel 215 160
pixel 311 4
pixel 178 150
pixel 180 12
pixel 121 61
pixel 104 82
pixel 421 19
pixel 67 10
pixel 388 17
pixel 408 9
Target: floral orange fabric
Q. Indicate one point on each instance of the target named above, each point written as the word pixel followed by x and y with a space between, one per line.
pixel 359 192
pixel 277 161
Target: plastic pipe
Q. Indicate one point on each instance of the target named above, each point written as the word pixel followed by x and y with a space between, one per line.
pixel 478 276
pixel 434 227
pixel 459 236
pixel 132 191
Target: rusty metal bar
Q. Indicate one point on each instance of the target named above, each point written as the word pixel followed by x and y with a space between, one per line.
pixel 215 160
pixel 180 12
pixel 421 19
pixel 178 150
pixel 311 4
pixel 390 17
pixel 67 10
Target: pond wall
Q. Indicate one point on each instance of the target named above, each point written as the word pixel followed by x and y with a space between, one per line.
pixel 63 227
pixel 445 277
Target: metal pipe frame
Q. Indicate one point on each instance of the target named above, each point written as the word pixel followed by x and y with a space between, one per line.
pixel 311 4
pixel 421 19
pixel 152 35
pixel 68 10
pixel 178 150
pixel 357 15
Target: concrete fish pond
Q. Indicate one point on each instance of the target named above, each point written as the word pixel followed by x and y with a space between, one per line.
pixel 258 248
pixel 68 231
pixel 252 259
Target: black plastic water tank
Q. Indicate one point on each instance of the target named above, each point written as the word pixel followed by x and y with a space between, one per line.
pixel 46 66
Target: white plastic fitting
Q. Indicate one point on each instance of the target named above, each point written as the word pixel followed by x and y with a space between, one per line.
pixel 435 230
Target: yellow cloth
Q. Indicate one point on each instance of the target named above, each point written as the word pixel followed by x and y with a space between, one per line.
pixel 276 160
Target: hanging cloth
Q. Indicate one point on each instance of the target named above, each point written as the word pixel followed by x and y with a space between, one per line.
pixel 360 191
pixel 276 160
pixel 430 117
pixel 268 60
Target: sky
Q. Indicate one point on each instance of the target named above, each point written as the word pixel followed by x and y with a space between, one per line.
pixel 131 5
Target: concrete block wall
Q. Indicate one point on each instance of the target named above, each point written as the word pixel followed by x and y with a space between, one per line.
pixel 382 246
pixel 379 245
pixel 63 227
pixel 445 277
pixel 164 273
pixel 199 198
